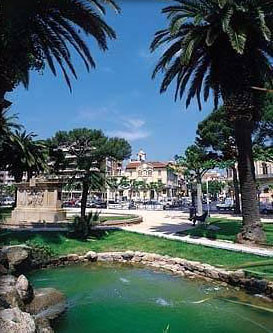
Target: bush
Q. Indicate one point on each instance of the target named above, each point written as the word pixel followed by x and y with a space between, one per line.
pixel 40 252
pixel 82 227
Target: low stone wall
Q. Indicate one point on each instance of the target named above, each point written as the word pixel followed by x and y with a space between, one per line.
pixel 181 267
pixel 22 308
pixel 59 226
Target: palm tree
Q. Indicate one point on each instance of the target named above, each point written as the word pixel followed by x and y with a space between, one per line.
pixel 223 46
pixel 157 187
pixel 8 123
pixel 39 32
pixel 22 153
pixel 113 184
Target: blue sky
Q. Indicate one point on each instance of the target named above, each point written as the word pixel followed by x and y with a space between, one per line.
pixel 119 96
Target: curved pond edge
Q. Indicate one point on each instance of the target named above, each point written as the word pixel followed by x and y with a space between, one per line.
pixel 178 266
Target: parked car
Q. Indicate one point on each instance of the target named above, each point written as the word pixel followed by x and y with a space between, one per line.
pixel 266 208
pixel 68 204
pixel 100 204
pixel 228 204
pixel 114 204
pixel 8 201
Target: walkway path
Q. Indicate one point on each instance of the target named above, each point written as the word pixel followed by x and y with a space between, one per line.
pixel 166 224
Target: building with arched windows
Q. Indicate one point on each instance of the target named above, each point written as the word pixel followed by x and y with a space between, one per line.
pixel 161 174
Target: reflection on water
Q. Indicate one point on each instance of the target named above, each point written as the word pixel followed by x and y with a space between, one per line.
pixel 123 299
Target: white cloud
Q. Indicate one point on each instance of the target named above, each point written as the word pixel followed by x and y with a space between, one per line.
pixel 131 128
pixel 134 129
pixel 130 135
pixel 134 122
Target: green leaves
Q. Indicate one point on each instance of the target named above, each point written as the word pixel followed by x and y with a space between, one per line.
pixel 196 161
pixel 222 34
pixel 237 39
pixel 40 32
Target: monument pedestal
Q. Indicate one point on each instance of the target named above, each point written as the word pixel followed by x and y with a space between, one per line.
pixel 38 201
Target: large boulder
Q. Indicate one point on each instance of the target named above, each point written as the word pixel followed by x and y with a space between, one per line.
pixel 9 296
pixel 47 303
pixel 16 321
pixel 91 255
pixel 4 264
pixel 24 289
pixel 18 256
pixel 43 325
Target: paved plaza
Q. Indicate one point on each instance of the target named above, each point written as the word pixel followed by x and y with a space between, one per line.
pixel 166 224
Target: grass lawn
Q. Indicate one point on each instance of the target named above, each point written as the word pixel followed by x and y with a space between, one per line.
pixel 228 229
pixel 62 243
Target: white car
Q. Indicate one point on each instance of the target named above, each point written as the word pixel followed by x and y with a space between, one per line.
pixel 114 205
pixel 227 205
pixel 7 202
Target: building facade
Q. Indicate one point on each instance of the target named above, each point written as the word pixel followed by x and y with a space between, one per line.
pixel 149 180
pixel 264 179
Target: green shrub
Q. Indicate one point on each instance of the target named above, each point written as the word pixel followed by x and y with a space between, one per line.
pixel 81 228
pixel 40 251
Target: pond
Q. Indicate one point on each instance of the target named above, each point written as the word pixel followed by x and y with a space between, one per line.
pixel 123 299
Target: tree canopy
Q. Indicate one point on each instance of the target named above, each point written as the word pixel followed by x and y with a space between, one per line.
pixel 81 155
pixel 36 33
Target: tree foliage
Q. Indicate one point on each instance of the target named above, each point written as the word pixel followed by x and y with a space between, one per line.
pixel 21 153
pixel 210 42
pixel 36 33
pixel 81 155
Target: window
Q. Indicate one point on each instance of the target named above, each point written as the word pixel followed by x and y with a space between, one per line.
pixel 159 173
pixel 265 169
pixel 144 173
pixel 131 173
pixel 139 172
pixel 150 172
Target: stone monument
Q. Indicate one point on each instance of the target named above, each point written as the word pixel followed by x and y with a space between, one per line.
pixel 38 201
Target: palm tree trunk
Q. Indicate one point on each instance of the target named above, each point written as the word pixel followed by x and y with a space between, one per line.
pixel 252 227
pixel 84 199
pixel 236 190
pixel 199 197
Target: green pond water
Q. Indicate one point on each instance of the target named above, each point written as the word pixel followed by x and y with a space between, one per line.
pixel 125 299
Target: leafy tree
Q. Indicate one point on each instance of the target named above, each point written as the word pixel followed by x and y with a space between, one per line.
pixel 264 133
pixel 36 33
pixel 214 187
pixel 196 162
pixel 83 153
pixel 224 47
pixel 216 133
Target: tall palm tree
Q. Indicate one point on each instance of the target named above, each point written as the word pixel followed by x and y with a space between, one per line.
pixel 8 123
pixel 223 46
pixel 39 32
pixel 21 153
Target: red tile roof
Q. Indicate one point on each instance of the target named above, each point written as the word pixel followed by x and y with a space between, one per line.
pixel 135 164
